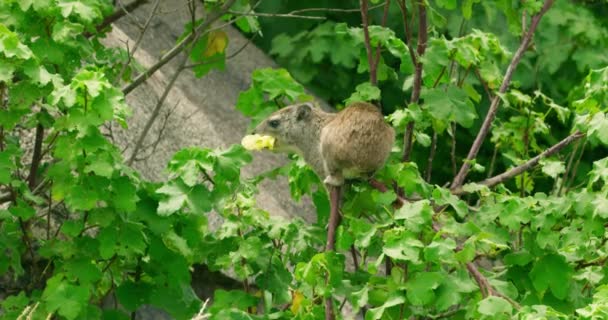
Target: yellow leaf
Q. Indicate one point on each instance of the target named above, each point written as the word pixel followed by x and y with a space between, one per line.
pixel 217 41
pixel 296 301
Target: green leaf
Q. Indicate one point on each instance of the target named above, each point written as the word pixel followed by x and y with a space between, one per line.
pixel 552 168
pixel 65 31
pixel 177 194
pixel 402 245
pixel 82 10
pixel 277 280
pixel 22 210
pixel 552 272
pixel 66 299
pixel 453 105
pixel 276 83
pixel 598 127
pixel 238 299
pixel 132 295
pixel 421 287
pixel 124 195
pixel 176 243
pixel 364 92
pixel 416 215
pixel 494 306
pixel 11 46
pixel 376 313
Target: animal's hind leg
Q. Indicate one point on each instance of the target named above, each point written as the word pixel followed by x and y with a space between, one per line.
pixel 333 174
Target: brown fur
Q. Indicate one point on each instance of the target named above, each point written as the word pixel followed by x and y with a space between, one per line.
pixel 353 143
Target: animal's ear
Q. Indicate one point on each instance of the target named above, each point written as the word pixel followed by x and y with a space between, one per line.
pixel 304 110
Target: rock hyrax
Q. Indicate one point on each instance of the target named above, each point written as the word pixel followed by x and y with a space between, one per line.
pixel 353 143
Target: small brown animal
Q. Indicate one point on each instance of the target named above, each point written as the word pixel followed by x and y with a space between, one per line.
pixel 353 143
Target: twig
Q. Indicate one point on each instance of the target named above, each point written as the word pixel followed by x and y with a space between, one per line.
pixel 484 84
pixel 407 30
pixel 178 48
pixel 160 134
pixel 367 41
pixel 195 36
pixel 377 57
pixel 453 148
pixel 334 9
pixel 158 106
pixel 487 123
pixel 493 161
pixel 429 163
pixel 144 28
pixel 119 13
pixel 277 15
pixel 332 225
pixel 36 158
pixel 133 18
pixel 578 161
pixel 491 182
pixel 420 49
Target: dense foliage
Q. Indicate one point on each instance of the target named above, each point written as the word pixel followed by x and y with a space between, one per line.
pixel 79 227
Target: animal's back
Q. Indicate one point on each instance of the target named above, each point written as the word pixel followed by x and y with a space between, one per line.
pixel 357 141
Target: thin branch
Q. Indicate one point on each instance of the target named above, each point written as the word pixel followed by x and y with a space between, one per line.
pixel 178 48
pixel 368 46
pixel 498 179
pixel 407 30
pixel 487 123
pixel 377 57
pixel 277 15
pixel 332 225
pixel 36 158
pixel 420 49
pixel 138 41
pixel 453 148
pixel 127 12
pixel 159 136
pixel 575 168
pixel 429 163
pixel 334 9
pixel 119 13
pixel 157 108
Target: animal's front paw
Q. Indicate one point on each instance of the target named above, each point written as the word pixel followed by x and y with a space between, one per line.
pixel 333 181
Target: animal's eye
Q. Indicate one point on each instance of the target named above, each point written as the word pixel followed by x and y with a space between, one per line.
pixel 274 123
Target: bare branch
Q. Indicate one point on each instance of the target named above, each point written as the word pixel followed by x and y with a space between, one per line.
pixel 491 182
pixel 36 156
pixel 334 221
pixel 138 41
pixel 277 15
pixel 407 30
pixel 156 111
pixel 487 123
pixel 159 136
pixel 420 49
pixel 119 13
pixel 334 9
pixel 178 48
pixel 429 164
pixel 578 162
pixel 367 42
pixel 377 57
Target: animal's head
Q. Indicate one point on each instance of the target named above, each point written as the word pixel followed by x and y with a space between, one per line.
pixel 288 126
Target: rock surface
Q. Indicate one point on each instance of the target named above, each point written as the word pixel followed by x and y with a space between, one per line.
pixel 202 110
